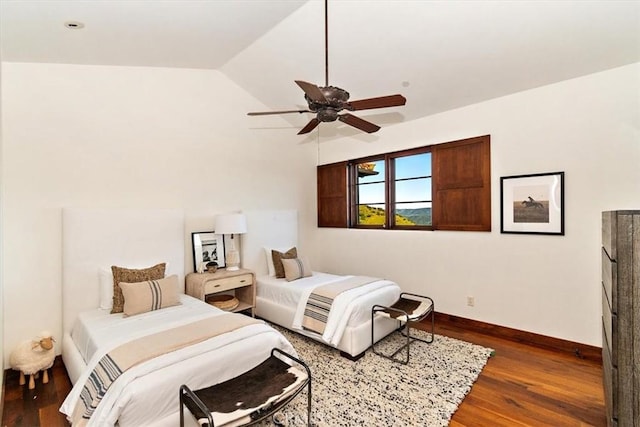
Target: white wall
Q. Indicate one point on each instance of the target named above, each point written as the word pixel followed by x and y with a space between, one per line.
pixel 140 137
pixel 589 128
pixel 2 364
pixel 93 136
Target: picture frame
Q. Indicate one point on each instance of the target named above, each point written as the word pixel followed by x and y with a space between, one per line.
pixel 207 246
pixel 532 204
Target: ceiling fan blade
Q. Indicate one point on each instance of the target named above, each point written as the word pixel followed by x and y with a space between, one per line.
pixel 359 123
pixel 313 92
pixel 310 126
pixel 379 102
pixel 266 113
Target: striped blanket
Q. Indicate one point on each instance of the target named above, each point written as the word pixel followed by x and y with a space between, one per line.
pixel 319 303
pixel 118 360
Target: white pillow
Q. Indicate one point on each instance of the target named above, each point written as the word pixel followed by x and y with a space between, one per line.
pixel 270 268
pixel 106 286
pixel 267 252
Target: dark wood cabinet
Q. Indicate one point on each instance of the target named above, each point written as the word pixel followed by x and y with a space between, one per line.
pixel 621 316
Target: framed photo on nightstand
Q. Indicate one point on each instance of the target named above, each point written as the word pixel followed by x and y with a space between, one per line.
pixel 207 247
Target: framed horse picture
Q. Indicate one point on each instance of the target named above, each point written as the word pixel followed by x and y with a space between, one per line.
pixel 532 204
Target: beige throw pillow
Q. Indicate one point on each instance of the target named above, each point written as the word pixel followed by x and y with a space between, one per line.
pixel 128 275
pixel 151 295
pixel 279 256
pixel 296 268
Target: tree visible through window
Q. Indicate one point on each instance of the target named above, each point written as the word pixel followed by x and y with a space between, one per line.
pixel 371 192
pixel 393 190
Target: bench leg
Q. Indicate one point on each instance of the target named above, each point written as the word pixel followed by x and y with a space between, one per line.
pixel 429 339
pixel 404 329
pixel 309 403
pixel 392 357
pixel 185 392
pixel 181 410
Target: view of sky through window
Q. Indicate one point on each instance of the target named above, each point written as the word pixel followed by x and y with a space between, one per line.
pixel 412 186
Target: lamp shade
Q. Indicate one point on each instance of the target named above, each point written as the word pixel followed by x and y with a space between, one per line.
pixel 231 224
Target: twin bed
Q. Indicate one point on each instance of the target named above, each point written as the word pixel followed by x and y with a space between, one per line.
pixel 349 330
pixel 147 394
pixel 279 301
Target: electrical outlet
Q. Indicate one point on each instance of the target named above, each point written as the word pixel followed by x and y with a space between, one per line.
pixel 471 301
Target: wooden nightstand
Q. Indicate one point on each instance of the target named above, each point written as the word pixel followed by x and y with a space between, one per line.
pixel 241 283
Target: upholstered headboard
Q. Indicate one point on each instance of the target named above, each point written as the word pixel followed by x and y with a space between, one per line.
pixel 274 229
pixel 99 238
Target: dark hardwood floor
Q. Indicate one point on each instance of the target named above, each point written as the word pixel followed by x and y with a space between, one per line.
pixel 527 385
pixel 37 407
pixel 521 385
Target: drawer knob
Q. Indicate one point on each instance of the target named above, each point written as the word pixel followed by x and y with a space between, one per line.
pixel 242 281
pixel 216 286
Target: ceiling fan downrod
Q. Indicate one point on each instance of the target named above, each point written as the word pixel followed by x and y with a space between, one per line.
pixel 326 43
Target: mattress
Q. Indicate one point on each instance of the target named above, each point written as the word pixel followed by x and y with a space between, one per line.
pixel 96 328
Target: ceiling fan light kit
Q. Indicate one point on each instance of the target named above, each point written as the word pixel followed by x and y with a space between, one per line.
pixel 327 101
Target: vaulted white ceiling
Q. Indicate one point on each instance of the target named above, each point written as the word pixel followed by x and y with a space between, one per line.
pixel 439 54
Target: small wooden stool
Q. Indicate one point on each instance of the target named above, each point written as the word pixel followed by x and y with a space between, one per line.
pixel 410 308
pixel 251 397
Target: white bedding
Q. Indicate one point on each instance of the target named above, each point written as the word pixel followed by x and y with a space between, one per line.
pixel 95 328
pixel 289 293
pixel 149 392
pixel 351 308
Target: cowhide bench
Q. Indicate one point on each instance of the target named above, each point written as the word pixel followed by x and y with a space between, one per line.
pixel 251 397
pixel 409 309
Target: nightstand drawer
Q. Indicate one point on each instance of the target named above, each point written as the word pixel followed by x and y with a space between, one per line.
pixel 228 283
pixel 241 283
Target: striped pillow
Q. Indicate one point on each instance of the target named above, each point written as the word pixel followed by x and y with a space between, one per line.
pixel 295 268
pixel 151 295
pixel 129 275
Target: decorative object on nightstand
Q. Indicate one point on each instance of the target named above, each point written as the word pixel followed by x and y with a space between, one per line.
pixel 235 223
pixel 222 287
pixel 207 247
pixel 223 302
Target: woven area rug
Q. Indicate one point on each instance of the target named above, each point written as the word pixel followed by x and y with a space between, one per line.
pixel 377 391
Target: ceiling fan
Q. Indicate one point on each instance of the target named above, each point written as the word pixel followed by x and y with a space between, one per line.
pixel 327 101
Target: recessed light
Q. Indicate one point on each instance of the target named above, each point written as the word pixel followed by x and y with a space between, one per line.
pixel 74 25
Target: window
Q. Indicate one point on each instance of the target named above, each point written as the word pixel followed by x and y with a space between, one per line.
pixel 440 187
pixel 392 191
pixel 370 192
pixel 411 193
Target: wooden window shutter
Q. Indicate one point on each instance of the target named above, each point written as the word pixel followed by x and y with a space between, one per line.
pixel 462 185
pixel 333 201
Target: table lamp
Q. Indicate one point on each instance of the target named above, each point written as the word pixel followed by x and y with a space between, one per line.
pixel 235 223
